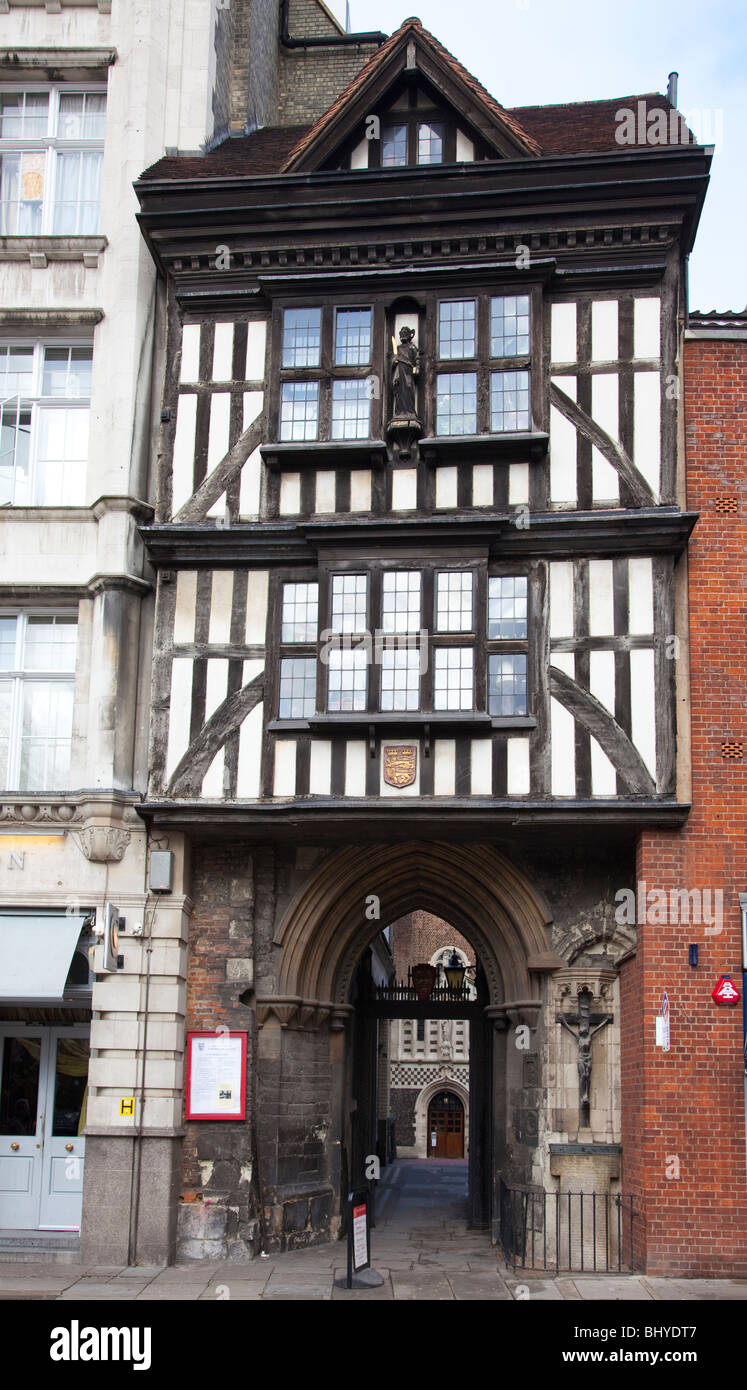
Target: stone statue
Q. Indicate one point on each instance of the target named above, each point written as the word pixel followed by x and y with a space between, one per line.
pixel 583 1036
pixel 405 371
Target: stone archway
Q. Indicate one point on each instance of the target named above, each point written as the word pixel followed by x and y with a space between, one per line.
pixel 310 1033
pixel 356 890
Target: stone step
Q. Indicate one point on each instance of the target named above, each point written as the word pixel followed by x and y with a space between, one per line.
pixel 51 1247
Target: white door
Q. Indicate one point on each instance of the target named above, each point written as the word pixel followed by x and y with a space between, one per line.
pixel 44 1090
pixel 21 1050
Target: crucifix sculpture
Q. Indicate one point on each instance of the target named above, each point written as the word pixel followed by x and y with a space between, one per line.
pixel 587 1024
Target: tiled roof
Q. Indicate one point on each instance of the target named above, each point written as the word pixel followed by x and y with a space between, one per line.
pixel 262 152
pixel 713 318
pixel 583 127
pixel 378 60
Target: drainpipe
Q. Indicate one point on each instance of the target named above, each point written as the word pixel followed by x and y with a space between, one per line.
pixel 335 41
pixel 743 908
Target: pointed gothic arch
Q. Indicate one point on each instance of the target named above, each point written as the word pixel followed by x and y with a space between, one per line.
pixel 475 888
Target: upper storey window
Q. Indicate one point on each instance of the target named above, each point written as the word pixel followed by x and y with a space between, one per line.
pixel 44 410
pixel 412 142
pixel 430 142
pixel 37 678
pixel 325 384
pixel 51 156
pixel 490 335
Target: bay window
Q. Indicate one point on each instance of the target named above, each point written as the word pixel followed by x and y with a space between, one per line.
pixel 325 373
pixel 490 336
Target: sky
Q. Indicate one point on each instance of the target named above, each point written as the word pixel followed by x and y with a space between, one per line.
pixel 538 52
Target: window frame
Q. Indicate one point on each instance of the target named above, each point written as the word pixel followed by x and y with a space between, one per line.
pixel 328 371
pixel 481 364
pixel 476 638
pixel 37 404
pixel 19 677
pixel 52 145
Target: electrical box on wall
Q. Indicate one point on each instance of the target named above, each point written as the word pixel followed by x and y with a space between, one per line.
pixel 161 871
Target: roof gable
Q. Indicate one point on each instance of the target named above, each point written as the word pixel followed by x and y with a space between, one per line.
pixel 411 53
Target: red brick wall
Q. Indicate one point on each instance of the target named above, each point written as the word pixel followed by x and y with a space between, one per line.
pixel 688 1104
pixel 416 937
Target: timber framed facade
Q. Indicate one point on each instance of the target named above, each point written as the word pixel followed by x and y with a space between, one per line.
pixel 459 553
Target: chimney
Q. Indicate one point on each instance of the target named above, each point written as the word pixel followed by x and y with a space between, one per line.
pixel 672 89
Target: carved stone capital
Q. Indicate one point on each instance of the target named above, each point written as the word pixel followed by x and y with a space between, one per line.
pixel 103 844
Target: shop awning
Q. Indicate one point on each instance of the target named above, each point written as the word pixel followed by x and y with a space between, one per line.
pixel 35 955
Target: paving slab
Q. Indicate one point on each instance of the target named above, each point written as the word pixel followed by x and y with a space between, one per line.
pixel 696 1290
pixel 479 1286
pixel 421 1284
pixel 534 1290
pixel 612 1288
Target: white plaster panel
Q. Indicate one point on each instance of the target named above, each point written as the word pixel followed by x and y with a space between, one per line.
pixel 517 766
pixel 643 706
pixel 180 711
pixel 325 491
pixel 565 661
pixel 518 484
pixel 290 494
pixel 647 327
pixel 250 752
pixel 220 424
pixel 186 604
pixel 602 678
pixel 563 333
pixel 386 790
pixel 256 606
pixel 404 489
pixel 251 481
pixel 647 427
pixel 563 448
pixel 190 365
pixel 223 352
pixel 360 489
pixel 605 410
pixel 359 155
pixel 183 467
pixel 563 730
pixel 446 487
pixel 481 766
pixel 640 594
pixel 212 782
pixel 604 339
pixel 256 341
pixel 320 767
pixel 252 405
pixel 285 767
pixel 601 605
pixel 355 767
pixel 482 485
pixel 444 767
pixel 561 598
pixel 603 775
pixel 221 600
pixel 465 148
pixel 216 685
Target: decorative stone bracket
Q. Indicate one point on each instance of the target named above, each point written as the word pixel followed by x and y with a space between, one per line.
pixel 306 1014
pixel 103 844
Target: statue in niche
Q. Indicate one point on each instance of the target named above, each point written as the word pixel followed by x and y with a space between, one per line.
pixel 404 428
pixel 587 1024
pixel 405 371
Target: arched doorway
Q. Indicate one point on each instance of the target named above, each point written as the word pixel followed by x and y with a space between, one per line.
pixel 445 1126
pixel 311 1021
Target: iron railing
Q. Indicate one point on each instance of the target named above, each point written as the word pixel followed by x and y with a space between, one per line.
pixel 572 1232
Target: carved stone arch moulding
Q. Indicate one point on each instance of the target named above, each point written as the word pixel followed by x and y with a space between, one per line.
pixel 357 890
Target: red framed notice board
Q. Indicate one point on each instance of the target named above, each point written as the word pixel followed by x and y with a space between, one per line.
pixel 216 1075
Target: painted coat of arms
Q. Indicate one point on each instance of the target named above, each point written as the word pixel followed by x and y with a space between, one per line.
pixel 400 764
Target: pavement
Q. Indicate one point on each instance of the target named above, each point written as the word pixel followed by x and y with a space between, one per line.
pixel 421 1245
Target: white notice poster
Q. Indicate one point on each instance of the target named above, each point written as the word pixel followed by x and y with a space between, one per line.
pixel 215 1075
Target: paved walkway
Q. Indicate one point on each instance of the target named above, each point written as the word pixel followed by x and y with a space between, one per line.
pixel 421 1245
